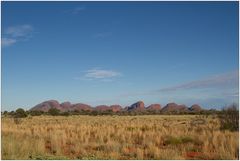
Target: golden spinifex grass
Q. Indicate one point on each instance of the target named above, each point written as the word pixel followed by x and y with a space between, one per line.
pixel 117 137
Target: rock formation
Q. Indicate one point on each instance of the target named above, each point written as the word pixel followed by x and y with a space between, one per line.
pixel 154 107
pixel 195 108
pixel 137 106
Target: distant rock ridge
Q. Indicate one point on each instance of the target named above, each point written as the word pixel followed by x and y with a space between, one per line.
pixel 46 105
pixel 173 107
pixel 81 106
pixel 154 107
pixel 138 106
pixel 195 108
pixel 116 108
pixel 66 105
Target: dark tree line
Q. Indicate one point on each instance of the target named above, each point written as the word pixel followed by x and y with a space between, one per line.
pixel 228 116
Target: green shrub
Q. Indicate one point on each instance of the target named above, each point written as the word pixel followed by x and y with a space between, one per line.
pixel 36 113
pixel 5 113
pixel 229 118
pixel 54 111
pixel 65 114
pixel 12 113
pixel 89 157
pixel 94 113
pixel 48 157
pixel 170 140
pixel 187 139
pixel 20 113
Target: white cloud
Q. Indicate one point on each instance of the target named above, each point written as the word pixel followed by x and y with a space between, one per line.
pixel 8 41
pixel 224 80
pixel 218 83
pixel 14 34
pixel 19 31
pixel 101 74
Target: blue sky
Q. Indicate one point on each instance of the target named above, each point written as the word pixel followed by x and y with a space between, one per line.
pixel 119 53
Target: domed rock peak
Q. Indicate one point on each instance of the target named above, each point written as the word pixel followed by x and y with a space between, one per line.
pixel 195 108
pixel 154 107
pixel 137 106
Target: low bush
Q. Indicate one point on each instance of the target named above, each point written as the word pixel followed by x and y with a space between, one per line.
pixel 54 111
pixel 48 157
pixel 229 118
pixel 65 114
pixel 20 113
pixel 36 113
pixel 171 140
pixel 187 139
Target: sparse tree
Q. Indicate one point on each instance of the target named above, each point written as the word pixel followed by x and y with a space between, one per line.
pixel 229 118
pixel 5 113
pixel 36 113
pixel 20 113
pixel 65 113
pixel 54 111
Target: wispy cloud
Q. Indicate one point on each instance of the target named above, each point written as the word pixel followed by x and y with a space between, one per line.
pixel 19 31
pixel 102 34
pixel 100 74
pixel 14 34
pixel 8 41
pixel 231 94
pixel 221 83
pixel 217 81
pixel 77 10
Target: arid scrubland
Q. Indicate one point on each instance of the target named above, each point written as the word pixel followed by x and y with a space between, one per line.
pixel 117 137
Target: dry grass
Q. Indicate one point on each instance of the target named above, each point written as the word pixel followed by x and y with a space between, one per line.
pixel 117 137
